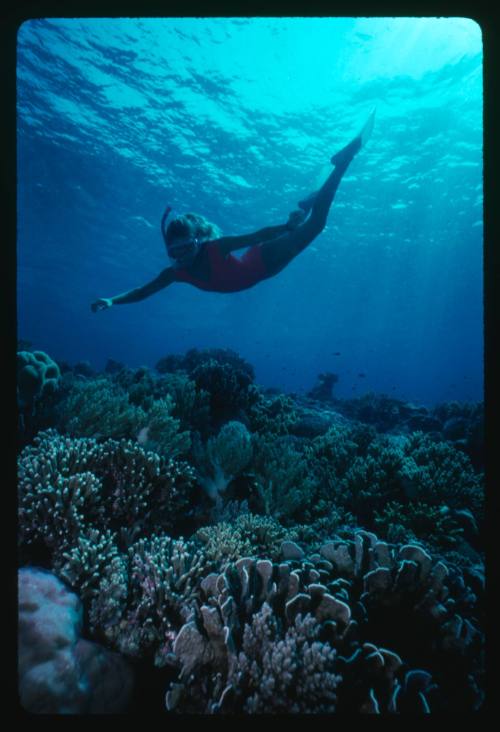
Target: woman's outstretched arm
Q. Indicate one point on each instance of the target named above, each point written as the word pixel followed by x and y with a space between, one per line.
pixel 165 278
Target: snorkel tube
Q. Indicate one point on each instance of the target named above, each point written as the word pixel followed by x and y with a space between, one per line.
pixel 162 225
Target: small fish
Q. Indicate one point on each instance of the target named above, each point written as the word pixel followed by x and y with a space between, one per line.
pixel 336 353
pixel 362 375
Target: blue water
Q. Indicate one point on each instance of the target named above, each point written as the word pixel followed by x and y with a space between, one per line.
pixel 235 119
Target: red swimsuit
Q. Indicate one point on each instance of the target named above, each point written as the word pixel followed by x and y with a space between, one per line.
pixel 227 274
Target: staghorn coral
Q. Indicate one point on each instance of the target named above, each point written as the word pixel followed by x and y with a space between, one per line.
pixel 161 433
pixel 370 482
pixel 364 479
pixel 57 490
pixel 189 405
pixel 333 452
pixel 449 410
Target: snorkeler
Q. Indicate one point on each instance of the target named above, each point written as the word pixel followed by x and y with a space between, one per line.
pixel 202 258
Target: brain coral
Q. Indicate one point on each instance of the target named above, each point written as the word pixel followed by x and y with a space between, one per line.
pixel 37 374
pixel 59 672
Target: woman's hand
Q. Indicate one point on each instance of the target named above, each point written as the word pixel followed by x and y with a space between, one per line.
pixel 295 219
pixel 102 304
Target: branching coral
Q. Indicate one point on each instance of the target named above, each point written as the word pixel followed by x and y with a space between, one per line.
pixel 332 452
pixel 189 404
pixel 143 600
pixel 273 415
pixel 290 673
pixel 102 409
pixel 231 390
pixel 370 482
pixel 249 535
pixel 99 408
pixel 438 474
pixel 397 522
pixel 195 357
pixel 83 565
pixel 69 485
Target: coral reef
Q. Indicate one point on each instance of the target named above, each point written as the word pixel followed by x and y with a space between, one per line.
pixel 343 609
pixel 196 357
pixel 285 486
pixel 67 485
pixel 231 391
pixel 272 415
pixel 143 598
pixel 101 408
pixel 260 552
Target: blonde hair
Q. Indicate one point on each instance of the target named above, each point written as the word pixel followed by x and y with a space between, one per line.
pixel 194 226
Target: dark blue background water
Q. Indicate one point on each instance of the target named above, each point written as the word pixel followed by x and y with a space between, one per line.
pixel 235 119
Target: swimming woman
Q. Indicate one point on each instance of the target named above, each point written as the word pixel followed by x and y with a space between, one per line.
pixel 201 257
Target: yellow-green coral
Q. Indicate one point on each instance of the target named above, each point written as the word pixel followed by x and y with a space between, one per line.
pixel 249 535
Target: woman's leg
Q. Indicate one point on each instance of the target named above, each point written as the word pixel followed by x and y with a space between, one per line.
pixel 279 252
